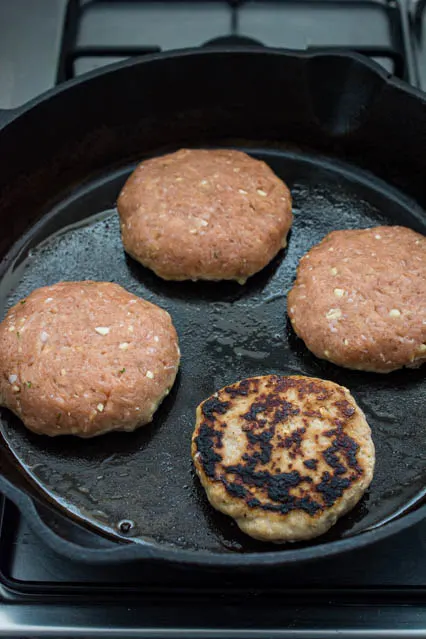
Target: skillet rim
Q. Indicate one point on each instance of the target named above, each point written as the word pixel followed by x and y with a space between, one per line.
pixel 163 552
pixel 10 115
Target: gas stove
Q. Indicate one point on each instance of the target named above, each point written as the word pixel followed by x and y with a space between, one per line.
pixel 372 592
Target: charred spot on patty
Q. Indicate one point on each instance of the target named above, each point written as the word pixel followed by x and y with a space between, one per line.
pixel 293 440
pixel 333 461
pixel 278 489
pixel 345 445
pixel 212 406
pixel 311 464
pixel 303 387
pixel 332 488
pixel 312 388
pixel 281 384
pixel 253 503
pixel 284 411
pixel 269 403
pixel 312 413
pixel 255 408
pixel 206 441
pixel 345 408
pixel 235 490
pixel 263 439
pixel 242 388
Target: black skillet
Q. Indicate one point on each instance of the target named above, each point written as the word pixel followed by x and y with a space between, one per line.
pixel 349 140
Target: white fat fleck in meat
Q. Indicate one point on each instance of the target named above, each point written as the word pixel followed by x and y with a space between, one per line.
pixel 102 330
pixel 394 312
pixel 334 313
pixel 12 379
pixel 339 292
pixel 44 336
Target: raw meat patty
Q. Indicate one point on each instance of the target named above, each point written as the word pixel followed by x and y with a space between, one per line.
pixel 198 214
pixel 284 456
pixel 359 299
pixel 85 358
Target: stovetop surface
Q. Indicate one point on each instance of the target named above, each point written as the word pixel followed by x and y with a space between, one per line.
pixel 376 591
pixel 64 38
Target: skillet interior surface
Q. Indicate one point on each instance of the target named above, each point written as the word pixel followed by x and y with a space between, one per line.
pixel 226 332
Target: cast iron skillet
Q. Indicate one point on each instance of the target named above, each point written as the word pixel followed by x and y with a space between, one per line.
pixel 350 143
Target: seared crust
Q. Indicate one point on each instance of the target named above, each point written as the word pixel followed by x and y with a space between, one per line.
pixel 199 214
pixel 85 358
pixel 359 299
pixel 284 456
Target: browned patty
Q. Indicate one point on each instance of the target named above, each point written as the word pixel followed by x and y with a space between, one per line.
pixel 284 456
pixel 359 299
pixel 85 358
pixel 199 214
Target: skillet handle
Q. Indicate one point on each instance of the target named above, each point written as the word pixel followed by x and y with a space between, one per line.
pixel 14 485
pixel 6 116
pixel 61 534
pixel 21 500
pixel 69 538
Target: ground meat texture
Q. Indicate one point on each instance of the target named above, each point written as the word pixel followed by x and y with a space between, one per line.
pixel 199 214
pixel 359 299
pixel 85 358
pixel 284 456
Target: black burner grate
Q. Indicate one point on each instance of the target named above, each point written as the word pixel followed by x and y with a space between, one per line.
pixel 238 22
